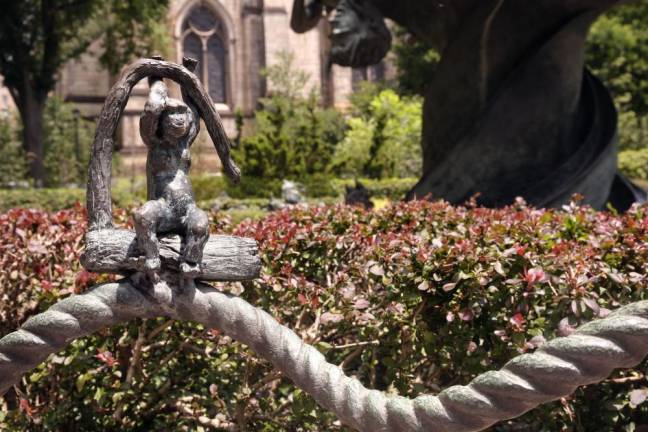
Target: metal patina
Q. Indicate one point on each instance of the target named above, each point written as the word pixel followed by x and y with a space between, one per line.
pixel 510 110
pixel 168 128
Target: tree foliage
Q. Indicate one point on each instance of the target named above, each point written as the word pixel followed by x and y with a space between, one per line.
pixel 416 62
pixel 293 135
pixel 383 136
pixel 13 163
pixel 67 143
pixel 38 36
pixel 618 54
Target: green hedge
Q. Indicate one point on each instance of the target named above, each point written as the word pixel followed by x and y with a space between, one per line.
pixel 64 198
pixel 316 186
pixel 634 163
pixel 411 299
pixel 206 189
pixel 394 189
pixel 46 199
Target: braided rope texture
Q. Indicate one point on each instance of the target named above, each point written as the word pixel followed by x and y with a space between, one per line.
pixel 556 369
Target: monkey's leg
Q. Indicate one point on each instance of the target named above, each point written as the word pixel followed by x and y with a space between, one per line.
pixel 196 235
pixel 148 218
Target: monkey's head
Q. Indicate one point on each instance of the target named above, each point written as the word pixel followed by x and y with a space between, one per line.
pixel 359 35
pixel 175 121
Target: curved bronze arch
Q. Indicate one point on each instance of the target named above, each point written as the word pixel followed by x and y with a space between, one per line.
pixel 98 197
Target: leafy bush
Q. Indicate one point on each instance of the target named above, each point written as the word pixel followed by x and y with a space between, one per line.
pixel 634 163
pixel 316 186
pixel 68 141
pixel 53 199
pixel 255 187
pixel 293 135
pixel 412 298
pixel 617 53
pixel 208 187
pixel 13 164
pixel 67 144
pixel 415 60
pixel 633 131
pixel 383 141
pixel 392 188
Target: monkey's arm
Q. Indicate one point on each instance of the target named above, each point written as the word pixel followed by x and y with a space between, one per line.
pixel 153 109
pixel 305 15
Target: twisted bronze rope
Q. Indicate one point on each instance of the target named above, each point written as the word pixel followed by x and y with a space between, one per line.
pixel 556 369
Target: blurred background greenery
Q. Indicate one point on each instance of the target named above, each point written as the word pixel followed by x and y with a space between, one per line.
pixel 293 134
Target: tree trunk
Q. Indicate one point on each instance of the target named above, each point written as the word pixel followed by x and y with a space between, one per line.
pixel 32 107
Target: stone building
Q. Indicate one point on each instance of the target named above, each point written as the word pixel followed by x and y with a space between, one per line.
pixel 233 40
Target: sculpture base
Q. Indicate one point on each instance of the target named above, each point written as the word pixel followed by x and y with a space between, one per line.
pixel 225 258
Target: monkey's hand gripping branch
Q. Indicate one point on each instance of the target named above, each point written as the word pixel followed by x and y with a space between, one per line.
pixel 555 370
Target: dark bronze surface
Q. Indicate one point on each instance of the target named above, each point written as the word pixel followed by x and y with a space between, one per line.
pixel 509 111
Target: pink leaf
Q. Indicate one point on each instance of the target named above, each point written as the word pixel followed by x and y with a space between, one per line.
pixel 637 397
pixel 564 328
pixel 107 358
pixel 592 304
pixel 466 315
pixel 603 312
pixel 331 318
pixel 517 321
pixel 46 285
pixel 537 341
pixel 377 270
pixel 26 407
pixel 533 276
pixel 361 304
pixel 301 298
pixel 449 287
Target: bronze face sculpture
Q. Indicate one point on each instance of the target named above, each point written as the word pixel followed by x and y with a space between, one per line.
pixel 169 127
pixel 510 110
pixel 358 32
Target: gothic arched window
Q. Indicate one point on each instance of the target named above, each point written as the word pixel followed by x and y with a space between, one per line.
pixel 203 38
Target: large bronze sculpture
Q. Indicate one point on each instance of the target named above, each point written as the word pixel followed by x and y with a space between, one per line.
pixel 511 111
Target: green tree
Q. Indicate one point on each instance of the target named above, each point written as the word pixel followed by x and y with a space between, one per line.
pixel 13 166
pixel 38 36
pixel 415 60
pixel 618 54
pixel 294 137
pixel 382 139
pixel 68 140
